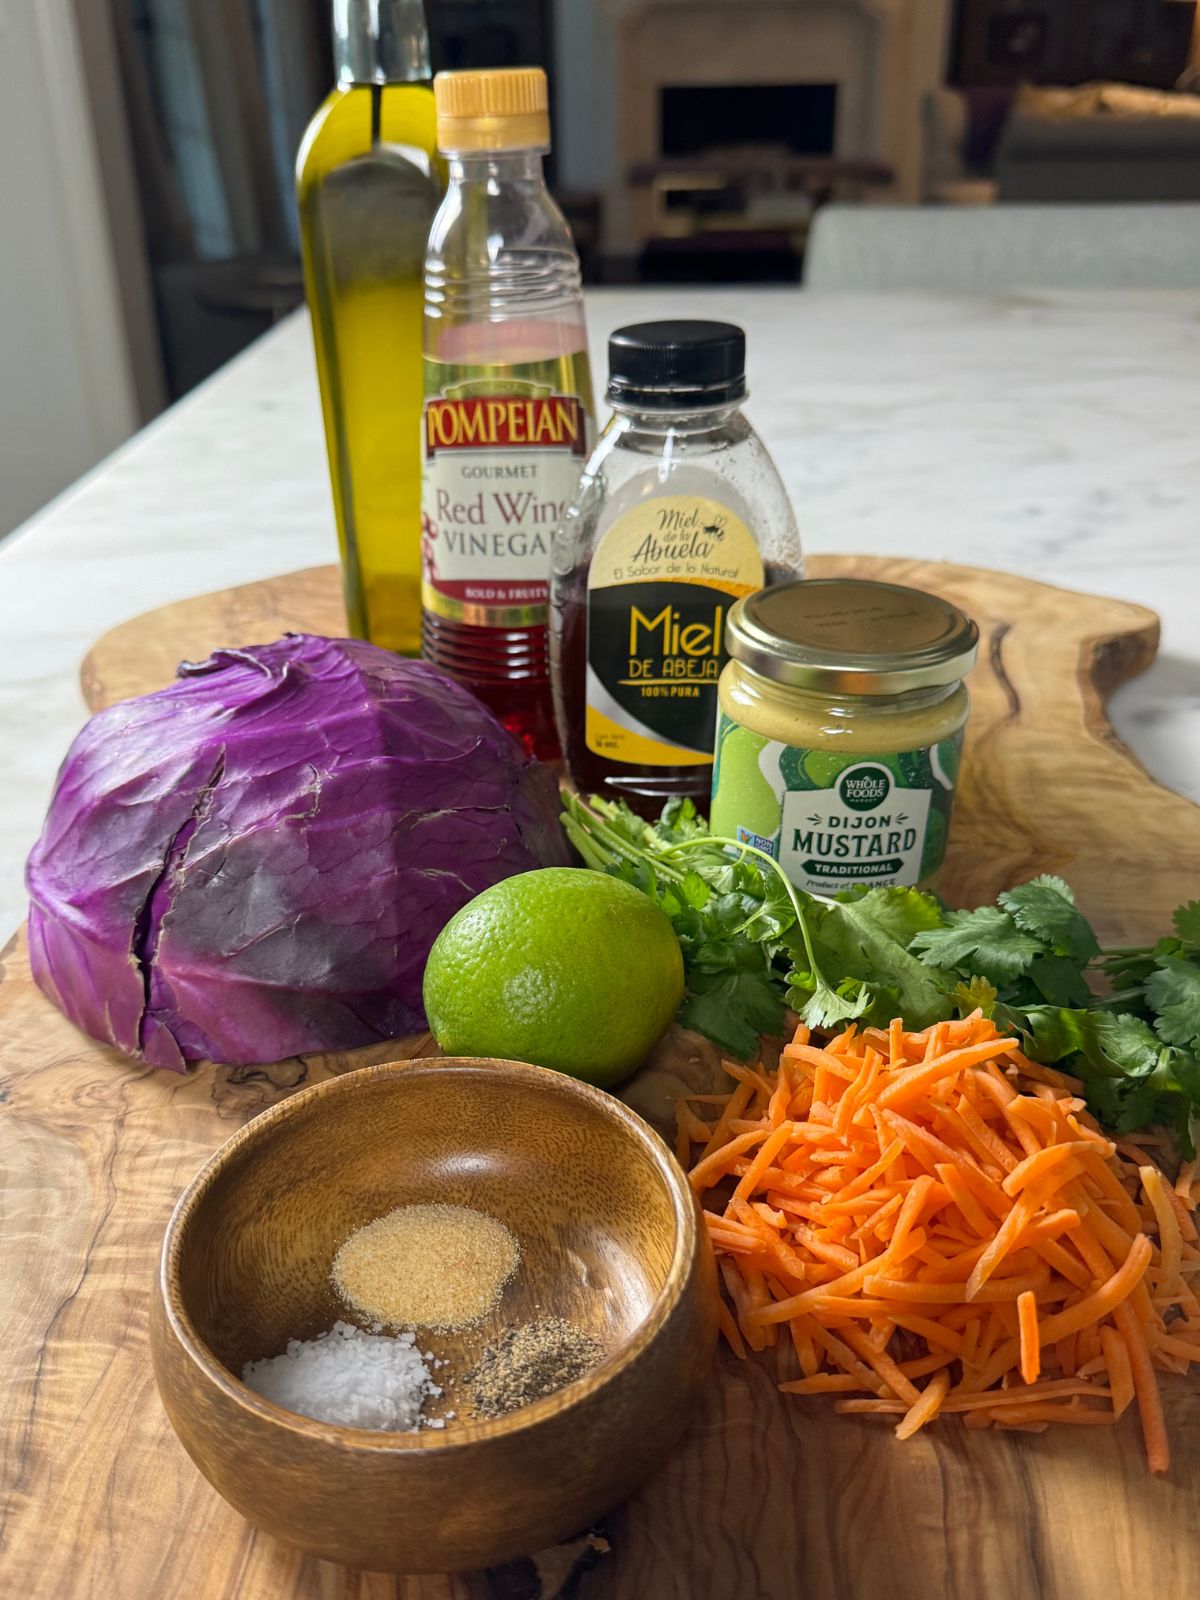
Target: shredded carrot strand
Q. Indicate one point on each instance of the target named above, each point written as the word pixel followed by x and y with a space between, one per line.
pixel 731 1331
pixel 943 1231
pixel 925 1407
pixel 1170 1239
pixel 1027 1321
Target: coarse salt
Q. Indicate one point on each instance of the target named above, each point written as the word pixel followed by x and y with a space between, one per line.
pixel 346 1376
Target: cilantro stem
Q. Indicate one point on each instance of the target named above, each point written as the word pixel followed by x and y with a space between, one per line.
pixel 745 850
pixel 589 833
pixel 1105 1002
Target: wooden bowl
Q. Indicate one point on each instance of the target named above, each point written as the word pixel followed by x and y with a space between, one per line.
pixel 610 1239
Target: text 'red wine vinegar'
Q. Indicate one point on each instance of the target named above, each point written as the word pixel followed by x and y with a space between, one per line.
pixel 507 424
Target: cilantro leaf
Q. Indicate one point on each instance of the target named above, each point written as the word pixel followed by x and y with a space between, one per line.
pixel 1187 922
pixel 1054 1032
pixel 1185 1123
pixel 1125 1041
pixel 1045 907
pixel 695 891
pixel 1118 1045
pixel 985 943
pixel 855 937
pixel 1059 981
pixel 1173 989
pixel 978 994
pixel 900 913
pixel 679 820
pixel 822 1007
pixel 776 913
pixel 732 1008
pixel 1128 1103
pixel 1135 1107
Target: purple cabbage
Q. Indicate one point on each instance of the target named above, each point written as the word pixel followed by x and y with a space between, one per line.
pixel 254 862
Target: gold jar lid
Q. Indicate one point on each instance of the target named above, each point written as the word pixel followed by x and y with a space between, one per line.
pixel 852 636
pixel 503 109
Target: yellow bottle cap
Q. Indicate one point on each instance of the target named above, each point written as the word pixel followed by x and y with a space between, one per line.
pixel 504 109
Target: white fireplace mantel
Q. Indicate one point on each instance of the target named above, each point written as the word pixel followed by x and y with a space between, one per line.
pixel 884 56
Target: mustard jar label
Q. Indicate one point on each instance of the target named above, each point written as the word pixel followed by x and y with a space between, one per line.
pixel 835 818
pixel 661 582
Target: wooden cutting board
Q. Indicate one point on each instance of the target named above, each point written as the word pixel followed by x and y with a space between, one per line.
pixel 768 1498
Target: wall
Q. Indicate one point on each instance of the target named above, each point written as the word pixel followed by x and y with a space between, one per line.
pixel 67 394
pixel 99 53
pixel 585 116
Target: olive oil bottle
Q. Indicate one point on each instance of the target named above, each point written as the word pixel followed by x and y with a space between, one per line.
pixel 368 183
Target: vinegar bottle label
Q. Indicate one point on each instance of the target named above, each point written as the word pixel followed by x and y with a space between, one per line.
pixel 661 582
pixel 501 459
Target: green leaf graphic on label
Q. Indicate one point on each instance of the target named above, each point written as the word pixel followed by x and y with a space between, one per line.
pixel 821 766
pixel 914 768
pixel 947 758
pixel 743 801
pixel 935 841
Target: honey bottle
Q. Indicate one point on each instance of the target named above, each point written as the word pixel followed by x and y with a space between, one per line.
pixel 680 512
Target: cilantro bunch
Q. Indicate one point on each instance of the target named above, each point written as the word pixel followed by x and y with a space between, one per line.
pixel 1126 1022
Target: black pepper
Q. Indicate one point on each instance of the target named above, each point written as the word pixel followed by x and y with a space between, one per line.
pixel 530 1362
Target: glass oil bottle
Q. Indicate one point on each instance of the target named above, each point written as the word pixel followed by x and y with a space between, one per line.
pixel 368 183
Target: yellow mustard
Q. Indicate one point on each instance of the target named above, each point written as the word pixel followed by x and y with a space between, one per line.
pixel 842 711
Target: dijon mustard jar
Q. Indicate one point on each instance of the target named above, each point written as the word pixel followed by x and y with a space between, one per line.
pixel 842 711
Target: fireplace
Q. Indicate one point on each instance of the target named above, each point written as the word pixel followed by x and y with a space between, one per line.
pixel 843 79
pixel 797 117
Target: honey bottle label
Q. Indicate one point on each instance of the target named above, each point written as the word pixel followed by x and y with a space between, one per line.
pixel 501 460
pixel 660 585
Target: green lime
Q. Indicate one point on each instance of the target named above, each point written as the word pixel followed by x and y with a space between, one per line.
pixel 563 967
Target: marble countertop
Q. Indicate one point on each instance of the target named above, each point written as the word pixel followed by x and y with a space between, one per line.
pixel 1052 434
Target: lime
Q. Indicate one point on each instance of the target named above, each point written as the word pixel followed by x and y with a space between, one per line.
pixel 563 967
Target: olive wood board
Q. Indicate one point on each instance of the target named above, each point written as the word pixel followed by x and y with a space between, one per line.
pixel 767 1498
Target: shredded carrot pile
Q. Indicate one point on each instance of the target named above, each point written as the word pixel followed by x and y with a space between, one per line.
pixel 942 1229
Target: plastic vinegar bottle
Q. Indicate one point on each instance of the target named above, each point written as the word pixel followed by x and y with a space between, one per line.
pixel 508 397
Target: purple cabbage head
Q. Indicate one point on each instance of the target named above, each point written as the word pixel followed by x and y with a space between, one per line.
pixel 254 862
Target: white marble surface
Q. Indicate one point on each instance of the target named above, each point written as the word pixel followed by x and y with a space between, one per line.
pixel 1056 435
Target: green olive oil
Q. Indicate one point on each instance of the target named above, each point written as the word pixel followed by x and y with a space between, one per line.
pixel 368 185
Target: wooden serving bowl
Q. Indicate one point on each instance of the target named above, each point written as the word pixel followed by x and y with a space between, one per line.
pixel 610 1239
